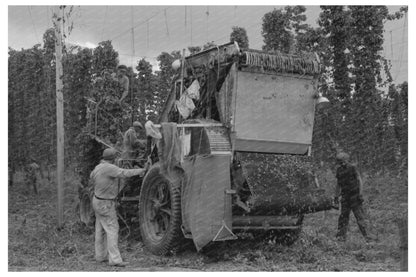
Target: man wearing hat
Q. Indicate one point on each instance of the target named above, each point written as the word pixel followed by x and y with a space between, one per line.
pixel 349 187
pixel 105 178
pixel 123 81
pixel 131 143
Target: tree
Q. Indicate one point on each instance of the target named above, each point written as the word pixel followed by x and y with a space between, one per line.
pixel 77 86
pixel 194 49
pixel 208 45
pixel 309 40
pixel 280 26
pixel 399 116
pixel 335 26
pixel 104 57
pixel 239 35
pixel 146 89
pixel 25 89
pixel 360 111
pixel 165 75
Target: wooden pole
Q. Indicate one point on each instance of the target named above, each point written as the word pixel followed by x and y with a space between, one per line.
pixel 182 79
pixel 402 224
pixel 59 116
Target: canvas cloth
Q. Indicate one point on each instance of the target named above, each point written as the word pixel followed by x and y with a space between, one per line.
pixel 169 147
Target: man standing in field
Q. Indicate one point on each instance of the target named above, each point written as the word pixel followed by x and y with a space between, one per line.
pixel 31 179
pixel 123 81
pixel 105 178
pixel 349 187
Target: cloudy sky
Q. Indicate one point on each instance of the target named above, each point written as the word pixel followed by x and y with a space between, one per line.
pixel 159 29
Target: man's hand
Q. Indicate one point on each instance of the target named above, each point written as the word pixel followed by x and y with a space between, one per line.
pixel 147 165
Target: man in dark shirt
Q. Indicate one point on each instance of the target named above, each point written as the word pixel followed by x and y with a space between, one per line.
pixel 349 187
pixel 31 178
pixel 123 80
pixel 131 143
pixel 105 179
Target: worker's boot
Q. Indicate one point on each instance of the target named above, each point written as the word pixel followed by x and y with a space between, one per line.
pixel 122 264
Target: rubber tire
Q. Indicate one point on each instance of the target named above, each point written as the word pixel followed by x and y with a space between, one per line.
pixel 168 243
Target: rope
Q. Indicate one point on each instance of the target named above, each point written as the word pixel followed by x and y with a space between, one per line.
pixel 33 23
pixel 139 24
pixel 166 23
pixel 147 33
pixel 401 52
pixel 191 25
pixel 104 22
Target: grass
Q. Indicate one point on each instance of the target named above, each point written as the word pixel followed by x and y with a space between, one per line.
pixel 35 243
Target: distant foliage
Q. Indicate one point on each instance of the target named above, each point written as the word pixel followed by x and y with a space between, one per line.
pixel 280 28
pixel 367 117
pixel 361 117
pixel 239 35
pixel 105 57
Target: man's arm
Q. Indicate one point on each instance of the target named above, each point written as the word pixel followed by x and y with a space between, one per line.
pixel 125 173
pixel 118 172
pixel 360 181
pixel 337 190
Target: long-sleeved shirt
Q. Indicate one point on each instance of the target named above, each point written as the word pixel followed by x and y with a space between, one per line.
pixel 349 183
pixel 105 177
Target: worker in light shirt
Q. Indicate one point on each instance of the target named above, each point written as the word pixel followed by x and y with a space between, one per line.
pixel 105 178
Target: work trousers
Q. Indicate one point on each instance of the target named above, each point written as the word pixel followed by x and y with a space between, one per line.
pixel 358 210
pixel 106 231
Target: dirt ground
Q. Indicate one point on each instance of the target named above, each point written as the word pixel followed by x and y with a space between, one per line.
pixel 35 244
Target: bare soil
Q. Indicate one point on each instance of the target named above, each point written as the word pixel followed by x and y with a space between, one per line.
pixel 35 243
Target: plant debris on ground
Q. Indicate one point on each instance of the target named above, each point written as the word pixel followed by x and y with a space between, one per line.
pixel 36 244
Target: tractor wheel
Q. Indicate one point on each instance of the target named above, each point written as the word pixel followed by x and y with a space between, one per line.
pixel 160 213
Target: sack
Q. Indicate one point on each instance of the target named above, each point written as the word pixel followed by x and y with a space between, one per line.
pixel 151 130
pixel 193 90
pixel 185 106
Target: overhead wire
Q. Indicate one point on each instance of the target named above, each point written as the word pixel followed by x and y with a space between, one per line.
pixel 139 24
pixel 207 23
pixel 191 23
pixel 391 43
pixel 47 18
pixel 147 33
pixel 166 23
pixel 185 16
pixel 402 50
pixel 132 35
pixel 33 24
pixel 189 18
pixel 104 22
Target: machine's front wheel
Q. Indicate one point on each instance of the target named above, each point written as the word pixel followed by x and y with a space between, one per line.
pixel 159 213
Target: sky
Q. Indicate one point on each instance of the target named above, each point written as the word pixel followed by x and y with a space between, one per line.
pixel 159 29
